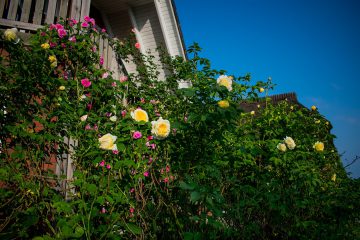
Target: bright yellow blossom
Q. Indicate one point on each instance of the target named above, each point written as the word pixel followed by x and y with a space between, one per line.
pixel 319 146
pixel 139 115
pixel 45 46
pixel 160 128
pixel 223 104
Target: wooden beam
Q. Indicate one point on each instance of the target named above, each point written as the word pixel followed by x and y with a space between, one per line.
pixel 75 9
pixel 50 13
pixel 85 9
pixel 20 25
pixel 13 9
pixel 25 11
pixel 38 12
pixel 2 7
pixel 63 8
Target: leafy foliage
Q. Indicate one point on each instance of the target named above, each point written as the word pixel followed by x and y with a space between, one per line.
pixel 219 173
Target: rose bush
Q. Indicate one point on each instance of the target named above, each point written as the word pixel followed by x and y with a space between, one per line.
pixel 151 160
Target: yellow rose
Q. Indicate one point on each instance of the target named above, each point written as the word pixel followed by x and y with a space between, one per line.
pixel 281 147
pixel 290 143
pixel 61 88
pixel 319 146
pixel 261 90
pixel 225 81
pixel 54 64
pixel 139 115
pixel 52 58
pixel 252 112
pixel 223 104
pixel 45 46
pixel 160 128
pixel 333 177
pixel 10 34
pixel 107 142
pixel 313 108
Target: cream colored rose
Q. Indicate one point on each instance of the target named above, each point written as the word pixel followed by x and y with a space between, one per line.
pixel 160 128
pixel 290 143
pixel 113 118
pixel 83 118
pixel 319 146
pixel 107 142
pixel 10 34
pixel 139 115
pixel 62 88
pixel 281 147
pixel 225 81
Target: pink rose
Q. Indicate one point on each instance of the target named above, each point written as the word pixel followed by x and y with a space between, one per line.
pixel 84 25
pixel 116 152
pixel 103 210
pixel 103 30
pixel 85 82
pixel 59 26
pixel 123 79
pixel 61 32
pixel 92 21
pixel 42 34
pixel 132 210
pixel 93 49
pixel 101 62
pixel 146 174
pixel 52 26
pixel 105 75
pixel 102 163
pixel 88 127
pixel 123 113
pixel 72 39
pixel 108 166
pixel 137 45
pixel 72 22
pixel 63 45
pixel 87 18
pixel 113 84
pixel 137 135
pixel 52 45
pixel 150 138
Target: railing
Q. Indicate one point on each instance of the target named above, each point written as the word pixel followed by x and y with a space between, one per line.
pixel 32 14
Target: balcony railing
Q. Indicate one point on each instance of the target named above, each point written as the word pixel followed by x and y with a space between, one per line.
pixel 32 14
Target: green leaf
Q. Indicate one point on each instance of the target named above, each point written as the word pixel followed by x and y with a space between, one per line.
pixel 186 186
pixel 133 228
pixel 195 196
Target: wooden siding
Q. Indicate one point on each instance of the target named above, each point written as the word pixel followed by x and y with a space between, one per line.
pixel 170 29
pixel 150 32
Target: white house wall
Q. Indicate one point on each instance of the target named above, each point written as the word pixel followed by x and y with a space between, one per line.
pixel 166 15
pixel 150 32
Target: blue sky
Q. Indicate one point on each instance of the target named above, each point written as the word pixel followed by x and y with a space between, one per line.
pixel 311 47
